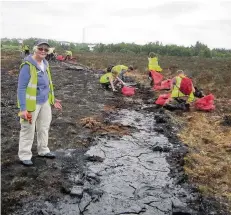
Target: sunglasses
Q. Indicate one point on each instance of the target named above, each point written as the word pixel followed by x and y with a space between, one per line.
pixel 43 49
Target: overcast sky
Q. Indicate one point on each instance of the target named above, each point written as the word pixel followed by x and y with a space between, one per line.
pixel 114 21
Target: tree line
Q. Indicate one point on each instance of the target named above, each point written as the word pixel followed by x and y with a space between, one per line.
pixel 59 46
pixel 199 49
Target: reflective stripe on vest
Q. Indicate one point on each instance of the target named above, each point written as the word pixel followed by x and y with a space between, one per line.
pixel 32 85
pixel 30 97
pixel 31 90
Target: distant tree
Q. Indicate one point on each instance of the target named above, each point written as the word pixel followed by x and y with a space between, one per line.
pixel 205 53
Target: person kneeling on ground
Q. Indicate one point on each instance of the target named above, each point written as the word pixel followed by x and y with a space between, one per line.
pixel 182 90
pixel 119 73
pixel 35 96
pixel 106 81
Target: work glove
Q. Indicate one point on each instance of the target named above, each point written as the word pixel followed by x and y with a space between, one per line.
pixel 114 90
pixel 57 104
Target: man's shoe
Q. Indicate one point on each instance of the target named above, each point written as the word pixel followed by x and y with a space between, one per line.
pixel 48 155
pixel 27 162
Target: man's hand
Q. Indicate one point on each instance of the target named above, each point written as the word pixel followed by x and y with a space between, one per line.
pixel 57 104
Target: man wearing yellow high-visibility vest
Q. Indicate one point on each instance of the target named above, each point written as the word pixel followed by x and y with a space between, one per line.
pixel 51 54
pixel 183 94
pixel 25 49
pixel 118 73
pixel 35 96
pixel 120 70
pixel 153 66
pixel 153 63
pixel 106 80
pixel 68 55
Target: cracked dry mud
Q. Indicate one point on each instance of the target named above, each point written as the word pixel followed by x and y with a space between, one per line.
pixel 137 173
pixel 133 176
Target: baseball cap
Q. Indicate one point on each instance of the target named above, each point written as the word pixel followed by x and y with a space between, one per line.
pixel 40 42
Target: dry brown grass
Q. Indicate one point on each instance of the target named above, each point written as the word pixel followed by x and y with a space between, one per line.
pixel 208 163
pixel 10 60
pixel 109 108
pixel 100 128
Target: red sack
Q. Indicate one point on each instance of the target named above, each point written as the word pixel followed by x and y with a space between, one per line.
pixel 206 103
pixel 163 99
pixel 157 87
pixel 60 58
pixel 186 86
pixel 157 77
pixel 165 85
pixel 128 91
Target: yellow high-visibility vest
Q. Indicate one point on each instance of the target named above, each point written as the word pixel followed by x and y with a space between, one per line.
pixel 176 93
pixel 69 53
pixel 105 78
pixel 31 90
pixel 153 64
pixel 116 70
pixel 25 48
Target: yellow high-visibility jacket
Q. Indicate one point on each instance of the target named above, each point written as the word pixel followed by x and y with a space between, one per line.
pixel 116 70
pixel 69 53
pixel 31 90
pixel 105 78
pixel 25 48
pixel 176 93
pixel 153 64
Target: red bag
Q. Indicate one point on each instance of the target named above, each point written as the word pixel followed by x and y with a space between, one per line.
pixel 60 58
pixel 128 91
pixel 206 103
pixel 157 77
pixel 186 86
pixel 165 85
pixel 163 99
pixel 157 87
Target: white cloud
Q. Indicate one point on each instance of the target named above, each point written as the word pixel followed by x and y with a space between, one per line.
pixel 168 21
